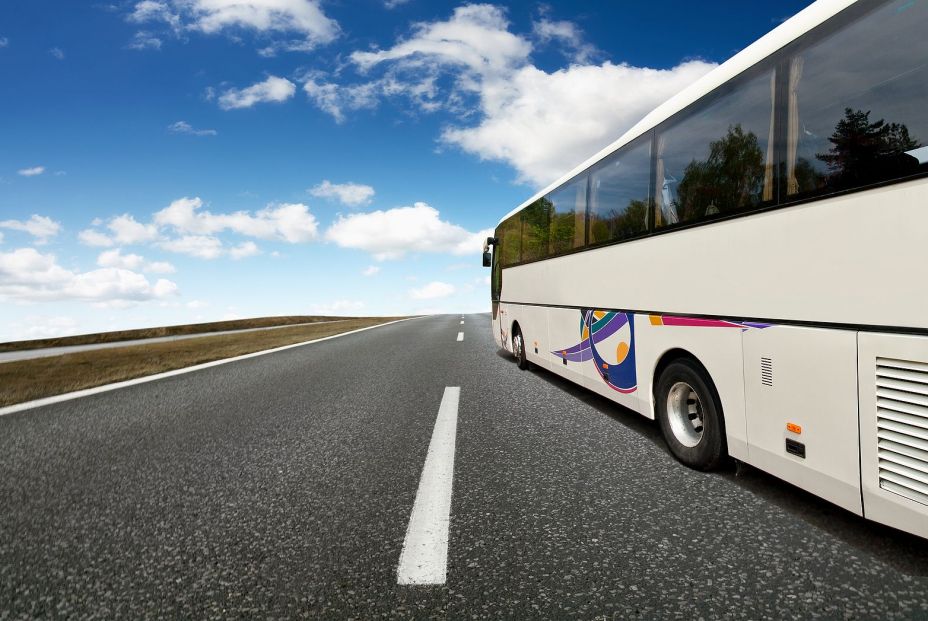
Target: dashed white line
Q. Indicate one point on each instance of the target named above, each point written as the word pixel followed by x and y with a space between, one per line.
pixel 462 322
pixel 460 336
pixel 424 559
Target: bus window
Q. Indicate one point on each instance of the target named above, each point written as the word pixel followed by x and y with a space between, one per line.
pixel 568 220
pixel 718 159
pixel 857 112
pixel 511 241
pixel 619 193
pixel 536 227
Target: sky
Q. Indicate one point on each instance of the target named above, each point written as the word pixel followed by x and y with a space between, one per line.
pixel 181 161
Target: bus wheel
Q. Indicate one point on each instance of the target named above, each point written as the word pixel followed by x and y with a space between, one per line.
pixel 518 350
pixel 690 415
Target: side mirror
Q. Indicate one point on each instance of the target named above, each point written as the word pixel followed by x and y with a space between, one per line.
pixel 487 259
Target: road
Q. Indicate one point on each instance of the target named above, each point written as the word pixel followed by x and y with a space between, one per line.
pixel 282 486
pixel 45 352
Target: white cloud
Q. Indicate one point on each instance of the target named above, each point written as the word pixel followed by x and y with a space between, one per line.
pixel 370 270
pixel 199 246
pixel 290 222
pixel 28 275
pixel 433 290
pixel 474 42
pixel 57 52
pixel 185 228
pixel 335 99
pixel 31 172
pixel 273 89
pixel 4 42
pixel 183 127
pixel 115 258
pixel 542 123
pixel 91 237
pixel 302 23
pixel 40 227
pixel 337 307
pixel 566 33
pixel 351 194
pixel 476 36
pixel 144 41
pixel 160 267
pixel 392 4
pixel 155 11
pixel 127 230
pixel 245 249
pixel 392 233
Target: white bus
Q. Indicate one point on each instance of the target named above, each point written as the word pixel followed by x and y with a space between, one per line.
pixel 749 263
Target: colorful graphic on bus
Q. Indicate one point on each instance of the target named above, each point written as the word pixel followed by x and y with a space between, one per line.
pixel 696 322
pixel 608 339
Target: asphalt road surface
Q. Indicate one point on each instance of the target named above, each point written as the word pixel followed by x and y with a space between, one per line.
pixel 282 486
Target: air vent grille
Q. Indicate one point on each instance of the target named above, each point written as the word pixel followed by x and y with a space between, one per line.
pixel 766 371
pixel 902 427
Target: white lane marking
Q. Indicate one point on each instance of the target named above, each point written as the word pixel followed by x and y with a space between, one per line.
pixel 424 559
pixel 462 322
pixel 460 336
pixel 28 405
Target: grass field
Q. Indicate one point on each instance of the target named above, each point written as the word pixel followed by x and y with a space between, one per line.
pixel 26 380
pixel 147 333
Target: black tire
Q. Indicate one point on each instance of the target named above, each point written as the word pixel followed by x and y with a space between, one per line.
pixel 518 350
pixel 690 418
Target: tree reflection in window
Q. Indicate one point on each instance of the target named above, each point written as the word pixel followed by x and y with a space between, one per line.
pixel 536 229
pixel 729 179
pixel 864 152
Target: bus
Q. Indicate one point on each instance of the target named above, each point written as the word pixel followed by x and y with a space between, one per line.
pixel 749 263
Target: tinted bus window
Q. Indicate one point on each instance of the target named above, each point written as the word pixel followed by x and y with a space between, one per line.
pixel 619 193
pixel 568 220
pixel 719 158
pixel 858 103
pixel 536 228
pixel 511 240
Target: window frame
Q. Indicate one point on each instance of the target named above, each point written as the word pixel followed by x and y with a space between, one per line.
pixel 645 138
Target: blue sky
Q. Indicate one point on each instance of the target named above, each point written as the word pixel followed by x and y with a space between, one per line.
pixel 176 161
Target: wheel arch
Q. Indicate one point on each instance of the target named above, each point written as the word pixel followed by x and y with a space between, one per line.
pixel 666 359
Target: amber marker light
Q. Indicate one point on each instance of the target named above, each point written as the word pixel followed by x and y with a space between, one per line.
pixel 794 428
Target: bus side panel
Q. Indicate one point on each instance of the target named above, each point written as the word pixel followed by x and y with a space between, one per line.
pixel 534 323
pixel 801 401
pixel 893 372
pixel 716 345
pixel 565 355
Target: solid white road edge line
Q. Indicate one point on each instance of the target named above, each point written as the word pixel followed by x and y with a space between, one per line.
pixel 460 336
pixel 28 405
pixel 424 559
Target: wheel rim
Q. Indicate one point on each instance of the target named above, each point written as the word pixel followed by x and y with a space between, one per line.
pixel 684 411
pixel 517 346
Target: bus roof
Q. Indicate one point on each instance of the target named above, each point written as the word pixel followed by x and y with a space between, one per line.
pixel 785 33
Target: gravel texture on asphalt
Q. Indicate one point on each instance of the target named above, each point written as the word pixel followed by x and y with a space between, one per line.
pixel 281 486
